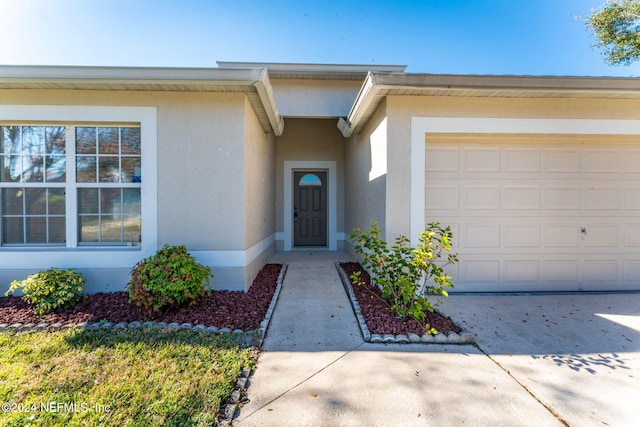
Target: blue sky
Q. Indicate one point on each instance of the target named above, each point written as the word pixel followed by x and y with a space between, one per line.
pixel 524 37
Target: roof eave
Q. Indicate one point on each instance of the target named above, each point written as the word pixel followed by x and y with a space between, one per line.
pixel 118 78
pixel 375 84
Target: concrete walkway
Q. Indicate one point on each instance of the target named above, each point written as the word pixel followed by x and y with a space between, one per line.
pixel 316 370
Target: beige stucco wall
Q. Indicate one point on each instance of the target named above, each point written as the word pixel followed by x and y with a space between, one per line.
pixel 309 140
pixel 259 190
pixel 365 197
pixel 200 162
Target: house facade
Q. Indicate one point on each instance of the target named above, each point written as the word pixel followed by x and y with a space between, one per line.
pixel 539 177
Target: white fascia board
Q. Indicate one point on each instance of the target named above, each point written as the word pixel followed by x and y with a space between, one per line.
pixel 116 75
pixel 265 92
pixel 568 84
pixel 364 98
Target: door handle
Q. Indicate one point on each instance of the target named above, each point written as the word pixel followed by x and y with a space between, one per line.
pixel 295 214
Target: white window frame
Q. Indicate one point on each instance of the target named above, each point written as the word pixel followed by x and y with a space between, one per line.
pixel 74 255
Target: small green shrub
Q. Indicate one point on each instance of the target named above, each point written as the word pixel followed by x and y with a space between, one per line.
pixel 50 289
pixel 407 276
pixel 170 278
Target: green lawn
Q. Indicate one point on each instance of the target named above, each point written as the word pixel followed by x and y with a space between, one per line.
pixel 142 377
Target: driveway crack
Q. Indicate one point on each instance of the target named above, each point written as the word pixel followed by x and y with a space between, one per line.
pixel 524 387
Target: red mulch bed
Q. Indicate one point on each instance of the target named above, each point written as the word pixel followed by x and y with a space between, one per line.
pixel 379 317
pixel 224 309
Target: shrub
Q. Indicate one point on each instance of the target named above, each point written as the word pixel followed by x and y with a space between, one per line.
pixel 50 289
pixel 170 278
pixel 407 276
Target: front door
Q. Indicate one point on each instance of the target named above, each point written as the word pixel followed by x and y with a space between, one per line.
pixel 310 208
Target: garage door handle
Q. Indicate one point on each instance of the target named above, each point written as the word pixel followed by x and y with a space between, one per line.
pixel 583 230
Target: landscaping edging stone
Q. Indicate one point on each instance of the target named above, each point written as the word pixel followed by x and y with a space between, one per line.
pixel 464 337
pixel 251 337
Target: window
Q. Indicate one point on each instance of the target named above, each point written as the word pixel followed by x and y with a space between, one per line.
pixel 66 185
pixel 310 179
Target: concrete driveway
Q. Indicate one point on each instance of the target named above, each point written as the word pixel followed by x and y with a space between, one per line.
pixel 541 360
pixel 578 354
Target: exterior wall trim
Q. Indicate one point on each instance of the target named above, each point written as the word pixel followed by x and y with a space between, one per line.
pixel 332 209
pixel 237 258
pixel 422 125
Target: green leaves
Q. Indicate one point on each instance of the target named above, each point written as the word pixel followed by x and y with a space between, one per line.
pixel 407 276
pixel 169 278
pixel 616 25
pixel 50 289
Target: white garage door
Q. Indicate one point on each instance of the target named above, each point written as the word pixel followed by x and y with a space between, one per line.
pixel 543 213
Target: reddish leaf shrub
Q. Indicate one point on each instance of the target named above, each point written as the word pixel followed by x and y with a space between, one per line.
pixel 168 279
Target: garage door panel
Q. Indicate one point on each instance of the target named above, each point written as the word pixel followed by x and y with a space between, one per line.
pixel 480 271
pixel 481 159
pixel 522 272
pixel 632 198
pixel 481 236
pixel 602 198
pixel 631 272
pixel 561 236
pixel 601 161
pixel 562 272
pixel 481 197
pixel 601 236
pixel 522 160
pixel 443 160
pixel 601 271
pixel 631 162
pixel 522 236
pixel 442 196
pixel 564 161
pixel 522 197
pixel 563 198
pixel 631 235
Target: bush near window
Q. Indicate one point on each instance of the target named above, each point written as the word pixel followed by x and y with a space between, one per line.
pixel 170 278
pixel 50 289
pixel 407 276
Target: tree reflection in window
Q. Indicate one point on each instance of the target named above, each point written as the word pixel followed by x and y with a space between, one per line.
pixel 32 154
pixel 108 154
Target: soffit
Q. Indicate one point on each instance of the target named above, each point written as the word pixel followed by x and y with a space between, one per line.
pixel 378 86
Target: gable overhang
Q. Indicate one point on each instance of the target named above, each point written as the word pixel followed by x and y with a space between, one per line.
pixel 377 86
pixel 254 82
